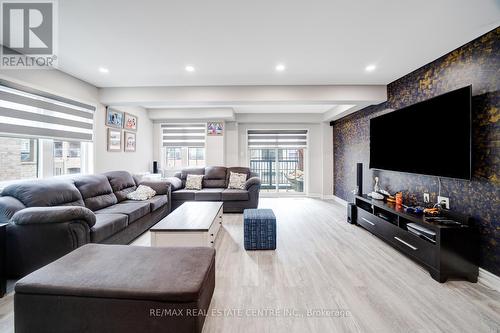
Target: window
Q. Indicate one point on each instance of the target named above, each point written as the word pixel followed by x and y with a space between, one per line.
pixel 183 145
pixel 27 150
pixel 174 158
pixel 18 158
pixel 66 127
pixel 181 157
pixel 196 156
pixel 67 158
pixel 278 157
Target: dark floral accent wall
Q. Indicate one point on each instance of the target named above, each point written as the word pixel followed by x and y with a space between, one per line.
pixel 476 63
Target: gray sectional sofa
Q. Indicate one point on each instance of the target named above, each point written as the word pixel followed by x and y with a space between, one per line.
pixel 215 182
pixel 49 218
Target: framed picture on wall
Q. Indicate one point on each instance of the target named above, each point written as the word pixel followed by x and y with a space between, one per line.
pixel 114 118
pixel 114 140
pixel 129 141
pixel 215 128
pixel 130 122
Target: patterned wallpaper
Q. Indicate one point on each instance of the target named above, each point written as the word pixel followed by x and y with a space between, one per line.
pixel 476 63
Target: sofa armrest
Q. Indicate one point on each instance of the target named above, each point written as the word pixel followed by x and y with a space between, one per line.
pixel 252 182
pixel 159 186
pixel 56 214
pixel 175 183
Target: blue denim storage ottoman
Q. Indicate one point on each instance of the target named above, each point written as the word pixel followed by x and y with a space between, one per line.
pixel 259 227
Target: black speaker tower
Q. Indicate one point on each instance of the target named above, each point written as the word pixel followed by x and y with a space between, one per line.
pixel 155 166
pixel 351 213
pixel 359 179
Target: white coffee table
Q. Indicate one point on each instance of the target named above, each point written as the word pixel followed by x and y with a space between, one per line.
pixel 194 223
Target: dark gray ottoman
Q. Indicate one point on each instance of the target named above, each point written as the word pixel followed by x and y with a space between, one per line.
pixel 118 288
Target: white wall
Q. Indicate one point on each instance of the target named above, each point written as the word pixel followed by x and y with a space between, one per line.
pixel 215 150
pixel 139 161
pixel 64 85
pixel 231 134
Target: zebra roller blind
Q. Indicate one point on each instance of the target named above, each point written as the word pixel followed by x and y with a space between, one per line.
pixel 277 138
pixel 29 113
pixel 183 135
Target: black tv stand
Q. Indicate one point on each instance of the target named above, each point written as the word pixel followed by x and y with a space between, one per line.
pixel 451 253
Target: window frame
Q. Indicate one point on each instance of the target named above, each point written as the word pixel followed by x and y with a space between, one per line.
pixel 184 158
pixel 33 151
pixel 43 156
pixel 196 157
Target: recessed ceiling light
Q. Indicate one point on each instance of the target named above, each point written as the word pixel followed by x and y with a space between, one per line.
pixel 103 70
pixel 189 68
pixel 370 68
pixel 280 67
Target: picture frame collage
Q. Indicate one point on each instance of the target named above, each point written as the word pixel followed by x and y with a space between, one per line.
pixel 121 130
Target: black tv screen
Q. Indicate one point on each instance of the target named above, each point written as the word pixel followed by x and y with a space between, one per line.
pixel 432 137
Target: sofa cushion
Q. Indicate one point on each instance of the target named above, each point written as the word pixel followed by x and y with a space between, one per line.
pixel 155 202
pixel 96 191
pixel 194 182
pixel 159 186
pixel 183 195
pixel 122 183
pixel 189 171
pixel 237 181
pixel 234 195
pixel 8 207
pixel 142 193
pixel 209 194
pixel 175 183
pixel 192 171
pixel 45 193
pixel 107 225
pixel 215 177
pixel 244 170
pixel 134 210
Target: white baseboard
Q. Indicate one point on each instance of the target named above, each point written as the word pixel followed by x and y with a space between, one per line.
pixel 313 195
pixel 340 200
pixel 328 197
pixel 489 280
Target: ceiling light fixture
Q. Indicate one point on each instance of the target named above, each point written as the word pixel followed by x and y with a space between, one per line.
pixel 189 68
pixel 103 70
pixel 370 68
pixel 280 67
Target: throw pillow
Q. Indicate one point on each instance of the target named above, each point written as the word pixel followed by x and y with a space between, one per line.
pixel 142 193
pixel 194 182
pixel 237 180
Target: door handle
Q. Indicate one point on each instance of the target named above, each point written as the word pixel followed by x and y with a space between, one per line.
pixel 368 221
pixel 405 243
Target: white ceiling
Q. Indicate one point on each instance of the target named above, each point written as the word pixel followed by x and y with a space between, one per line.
pixel 252 108
pixel 236 42
pixel 283 108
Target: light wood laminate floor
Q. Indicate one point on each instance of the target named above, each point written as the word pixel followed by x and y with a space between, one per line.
pixel 323 266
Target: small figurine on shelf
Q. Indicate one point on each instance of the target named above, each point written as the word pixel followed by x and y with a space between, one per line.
pixel 376 187
pixel 399 198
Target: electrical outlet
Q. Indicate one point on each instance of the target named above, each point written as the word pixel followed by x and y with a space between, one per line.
pixel 426 198
pixel 445 200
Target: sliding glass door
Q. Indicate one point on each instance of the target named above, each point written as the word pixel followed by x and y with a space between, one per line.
pixel 280 169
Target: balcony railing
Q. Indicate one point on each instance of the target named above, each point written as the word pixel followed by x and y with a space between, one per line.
pixel 276 174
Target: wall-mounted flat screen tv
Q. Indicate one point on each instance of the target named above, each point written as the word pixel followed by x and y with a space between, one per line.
pixel 432 137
